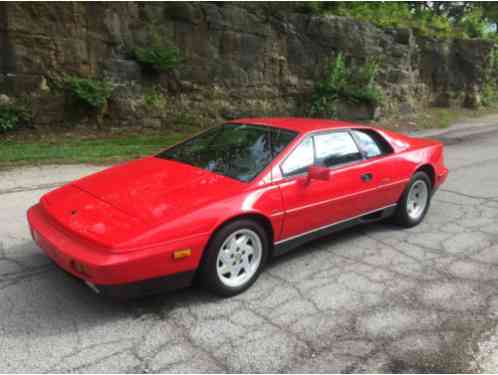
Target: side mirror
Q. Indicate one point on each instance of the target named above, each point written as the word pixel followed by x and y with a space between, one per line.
pixel 316 172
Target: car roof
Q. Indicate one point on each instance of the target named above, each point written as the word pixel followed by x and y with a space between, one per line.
pixel 301 125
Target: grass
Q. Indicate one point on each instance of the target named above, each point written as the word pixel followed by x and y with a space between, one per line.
pixel 95 147
pixel 62 146
pixel 430 118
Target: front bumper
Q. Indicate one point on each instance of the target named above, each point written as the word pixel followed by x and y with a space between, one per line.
pixel 116 273
pixel 147 287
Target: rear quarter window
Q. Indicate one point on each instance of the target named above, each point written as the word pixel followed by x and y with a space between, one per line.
pixel 371 143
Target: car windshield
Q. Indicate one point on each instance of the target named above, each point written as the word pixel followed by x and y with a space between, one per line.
pixel 234 150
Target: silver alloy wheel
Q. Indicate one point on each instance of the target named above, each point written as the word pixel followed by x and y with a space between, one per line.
pixel 239 258
pixel 418 197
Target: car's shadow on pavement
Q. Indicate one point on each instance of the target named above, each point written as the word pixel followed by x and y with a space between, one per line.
pixel 194 294
pixel 345 235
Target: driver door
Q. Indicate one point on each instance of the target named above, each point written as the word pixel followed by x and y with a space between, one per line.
pixel 310 204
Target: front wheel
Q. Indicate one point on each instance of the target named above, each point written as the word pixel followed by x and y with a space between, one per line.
pixel 234 259
pixel 415 201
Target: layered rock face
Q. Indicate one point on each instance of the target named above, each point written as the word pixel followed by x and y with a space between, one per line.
pixel 238 59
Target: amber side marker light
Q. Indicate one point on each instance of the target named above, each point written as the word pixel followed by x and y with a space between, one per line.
pixel 180 254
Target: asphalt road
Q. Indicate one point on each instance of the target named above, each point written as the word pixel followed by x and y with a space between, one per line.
pixel 374 298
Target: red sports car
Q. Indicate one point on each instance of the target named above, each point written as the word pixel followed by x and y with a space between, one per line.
pixel 217 205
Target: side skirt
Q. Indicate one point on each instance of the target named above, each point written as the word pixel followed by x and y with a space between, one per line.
pixel 284 246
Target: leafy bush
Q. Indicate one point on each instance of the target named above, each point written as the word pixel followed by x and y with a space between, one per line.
pixel 428 24
pixel 154 98
pixel 93 92
pixel 452 19
pixel 12 116
pixel 342 82
pixel 474 25
pixel 158 58
pixel 383 15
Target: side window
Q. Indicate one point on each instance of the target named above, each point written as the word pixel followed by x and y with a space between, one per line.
pixel 300 158
pixel 371 143
pixel 336 148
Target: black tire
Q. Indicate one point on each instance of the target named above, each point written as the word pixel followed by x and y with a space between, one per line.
pixel 401 216
pixel 208 275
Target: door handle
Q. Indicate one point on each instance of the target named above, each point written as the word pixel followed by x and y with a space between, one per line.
pixel 367 177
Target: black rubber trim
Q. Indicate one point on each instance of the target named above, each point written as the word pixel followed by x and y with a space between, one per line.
pixel 147 287
pixel 287 246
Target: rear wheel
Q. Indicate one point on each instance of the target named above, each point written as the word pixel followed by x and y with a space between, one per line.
pixel 415 201
pixel 234 259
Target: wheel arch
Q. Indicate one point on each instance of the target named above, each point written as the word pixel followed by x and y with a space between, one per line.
pixel 255 216
pixel 429 170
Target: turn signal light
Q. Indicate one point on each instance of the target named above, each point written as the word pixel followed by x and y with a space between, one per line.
pixel 179 254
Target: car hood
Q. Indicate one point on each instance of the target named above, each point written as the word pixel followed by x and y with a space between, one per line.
pixel 155 190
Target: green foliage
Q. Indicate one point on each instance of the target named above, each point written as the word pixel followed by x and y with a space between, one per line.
pixel 381 14
pixel 92 92
pixel 441 19
pixel 158 58
pixel 427 23
pixel 444 119
pixel 343 82
pixel 495 62
pixel 154 98
pixel 474 25
pixel 12 116
pixel 489 94
pixel 158 54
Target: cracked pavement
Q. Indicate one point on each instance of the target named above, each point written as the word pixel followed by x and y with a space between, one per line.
pixel 373 298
